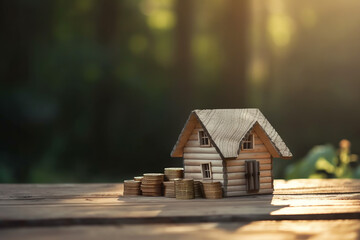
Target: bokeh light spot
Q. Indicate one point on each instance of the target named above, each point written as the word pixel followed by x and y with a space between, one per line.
pixel 161 20
pixel 280 28
pixel 258 71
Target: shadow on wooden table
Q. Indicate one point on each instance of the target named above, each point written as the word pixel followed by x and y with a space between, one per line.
pixel 170 210
pixel 299 209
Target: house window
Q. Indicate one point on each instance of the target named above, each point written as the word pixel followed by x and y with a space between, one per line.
pixel 206 170
pixel 204 139
pixel 248 142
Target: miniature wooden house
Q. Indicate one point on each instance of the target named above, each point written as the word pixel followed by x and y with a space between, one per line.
pixel 233 146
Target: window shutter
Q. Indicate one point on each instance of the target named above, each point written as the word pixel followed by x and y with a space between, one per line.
pixel 252 175
pixel 249 176
pixel 256 169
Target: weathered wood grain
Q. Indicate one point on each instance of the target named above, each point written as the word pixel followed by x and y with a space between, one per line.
pixel 260 132
pixel 202 156
pixel 321 229
pixel 197 162
pixel 241 175
pixel 199 176
pixel 234 169
pixel 255 155
pixel 93 204
pixel 190 124
pixel 258 147
pixel 242 192
pixel 243 187
pixel 197 169
pixel 227 128
pixel 194 137
pixel 207 150
pixel 192 143
pixel 110 190
pixel 265 173
pixel 317 186
pixel 235 182
pixel 241 162
pixel 265 167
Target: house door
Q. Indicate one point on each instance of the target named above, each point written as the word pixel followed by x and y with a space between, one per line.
pixel 252 174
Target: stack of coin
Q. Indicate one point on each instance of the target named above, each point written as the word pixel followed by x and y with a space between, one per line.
pixel 212 190
pixel 151 184
pixel 132 188
pixel 169 189
pixel 184 189
pixel 140 178
pixel 172 173
pixel 198 189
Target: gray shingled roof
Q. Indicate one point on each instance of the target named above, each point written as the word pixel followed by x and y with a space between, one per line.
pixel 227 128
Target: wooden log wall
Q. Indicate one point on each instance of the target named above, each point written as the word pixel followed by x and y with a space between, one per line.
pixel 234 181
pixel 235 170
pixel 195 155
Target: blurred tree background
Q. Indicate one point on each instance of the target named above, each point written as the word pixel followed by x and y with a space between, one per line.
pixel 98 90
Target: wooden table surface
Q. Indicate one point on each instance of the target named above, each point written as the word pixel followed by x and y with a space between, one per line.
pixel 298 209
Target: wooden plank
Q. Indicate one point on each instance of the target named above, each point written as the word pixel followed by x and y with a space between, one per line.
pixel 56 191
pixel 203 156
pixel 236 175
pixel 237 169
pixel 234 169
pixel 284 229
pixel 197 162
pixel 267 142
pixel 236 182
pixel 236 193
pixel 184 135
pixel 258 141
pixel 241 162
pixel 242 193
pixel 192 169
pixel 257 148
pixel 317 186
pixel 236 188
pixel 192 143
pixel 210 150
pixel 197 169
pixel 265 180
pixel 265 167
pixel 265 173
pixel 73 204
pixel 194 137
pixel 243 187
pixel 196 131
pixel 265 185
pixel 243 155
pixel 217 169
pixel 198 176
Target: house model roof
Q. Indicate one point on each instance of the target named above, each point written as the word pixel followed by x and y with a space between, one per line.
pixel 226 129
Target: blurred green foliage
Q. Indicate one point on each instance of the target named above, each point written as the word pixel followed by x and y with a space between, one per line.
pixel 325 161
pixel 98 90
